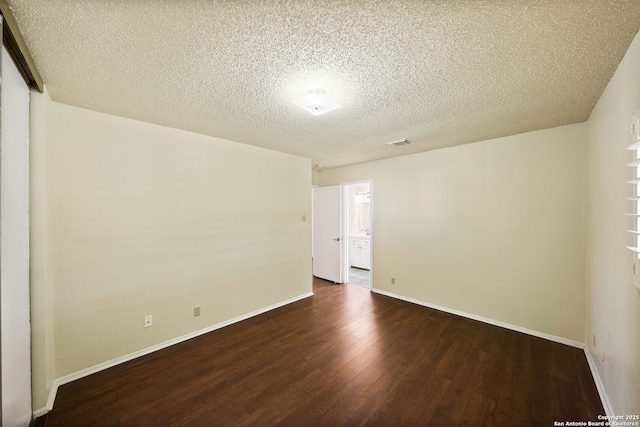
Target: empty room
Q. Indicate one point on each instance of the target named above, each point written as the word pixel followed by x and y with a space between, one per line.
pixel 322 213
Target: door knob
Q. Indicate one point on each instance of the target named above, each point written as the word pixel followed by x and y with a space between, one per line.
pixel 337 239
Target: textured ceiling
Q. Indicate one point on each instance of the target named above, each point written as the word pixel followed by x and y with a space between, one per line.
pixel 439 73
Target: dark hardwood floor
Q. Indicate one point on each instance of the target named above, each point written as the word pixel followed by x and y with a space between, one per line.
pixel 343 357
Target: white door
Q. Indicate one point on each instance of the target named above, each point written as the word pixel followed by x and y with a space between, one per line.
pixel 327 233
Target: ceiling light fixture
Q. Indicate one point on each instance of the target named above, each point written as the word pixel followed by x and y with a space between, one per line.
pixel 316 102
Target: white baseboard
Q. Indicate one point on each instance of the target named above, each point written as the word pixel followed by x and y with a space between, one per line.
pixel 599 384
pixel 117 361
pixel 40 412
pixel 527 331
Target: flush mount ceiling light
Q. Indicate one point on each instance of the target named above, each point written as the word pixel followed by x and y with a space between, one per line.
pixel 316 102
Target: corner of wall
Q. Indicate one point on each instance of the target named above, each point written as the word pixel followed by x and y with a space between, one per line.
pixel 612 302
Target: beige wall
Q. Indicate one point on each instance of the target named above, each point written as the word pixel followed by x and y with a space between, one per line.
pixel 494 229
pixel 143 219
pixel 613 310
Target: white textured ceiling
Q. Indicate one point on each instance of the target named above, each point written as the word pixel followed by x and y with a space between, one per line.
pixel 439 73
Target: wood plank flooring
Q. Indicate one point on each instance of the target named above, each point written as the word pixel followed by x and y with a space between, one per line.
pixel 344 357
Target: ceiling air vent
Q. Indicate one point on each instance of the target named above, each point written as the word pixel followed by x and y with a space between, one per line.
pixel 398 143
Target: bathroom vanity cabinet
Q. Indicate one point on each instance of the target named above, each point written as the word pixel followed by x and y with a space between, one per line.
pixel 359 252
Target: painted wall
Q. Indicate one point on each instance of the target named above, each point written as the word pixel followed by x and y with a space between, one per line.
pixel 494 229
pixel 147 220
pixel 613 310
pixel 14 230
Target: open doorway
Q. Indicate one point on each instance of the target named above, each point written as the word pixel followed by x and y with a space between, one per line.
pixel 359 232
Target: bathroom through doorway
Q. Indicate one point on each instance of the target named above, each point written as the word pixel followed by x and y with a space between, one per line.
pixel 358 229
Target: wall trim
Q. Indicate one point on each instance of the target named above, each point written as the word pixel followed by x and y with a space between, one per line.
pixel 505 325
pixel 122 359
pixel 599 384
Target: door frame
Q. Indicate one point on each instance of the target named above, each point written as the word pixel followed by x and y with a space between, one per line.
pixel 345 229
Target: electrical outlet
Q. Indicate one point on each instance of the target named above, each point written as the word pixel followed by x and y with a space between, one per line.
pixel 196 311
pixel 148 321
pixel 393 280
